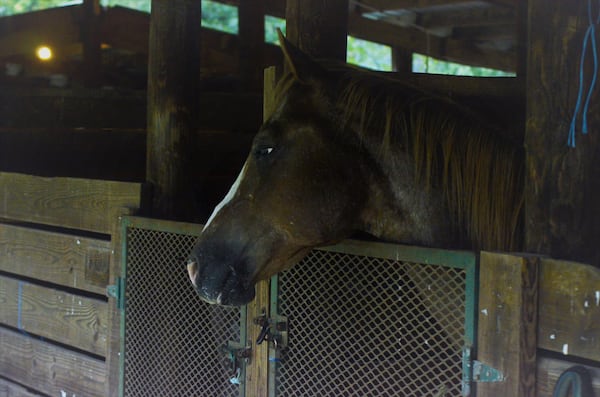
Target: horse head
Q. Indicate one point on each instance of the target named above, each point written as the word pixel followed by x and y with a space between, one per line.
pixel 300 187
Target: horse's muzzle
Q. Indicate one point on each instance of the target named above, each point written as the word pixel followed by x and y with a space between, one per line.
pixel 219 287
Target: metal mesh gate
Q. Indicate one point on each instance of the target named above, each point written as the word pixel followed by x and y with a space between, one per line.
pixel 364 319
pixel 375 322
pixel 172 340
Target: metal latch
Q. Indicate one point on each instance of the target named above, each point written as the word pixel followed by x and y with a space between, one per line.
pixel 273 329
pixel 235 357
pixel 117 291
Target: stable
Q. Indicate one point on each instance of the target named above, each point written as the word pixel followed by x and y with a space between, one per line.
pixel 116 148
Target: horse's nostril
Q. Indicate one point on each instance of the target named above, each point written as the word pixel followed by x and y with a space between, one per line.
pixel 192 268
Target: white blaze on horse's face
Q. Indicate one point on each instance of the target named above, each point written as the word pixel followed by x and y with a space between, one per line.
pixel 230 195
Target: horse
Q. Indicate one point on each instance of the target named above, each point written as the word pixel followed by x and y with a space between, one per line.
pixel 349 151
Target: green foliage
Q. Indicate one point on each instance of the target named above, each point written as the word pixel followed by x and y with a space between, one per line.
pixel 140 5
pixel 425 64
pixel 219 16
pixel 368 54
pixel 271 25
pixel 11 7
pixel 224 17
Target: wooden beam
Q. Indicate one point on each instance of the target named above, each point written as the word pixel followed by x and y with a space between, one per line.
pixel 318 27
pixel 9 389
pixel 66 202
pixel 67 318
pixel 562 215
pixel 507 326
pixel 48 368
pixel 251 16
pixel 478 16
pixel 62 259
pixel 92 52
pixel 384 5
pixel 173 65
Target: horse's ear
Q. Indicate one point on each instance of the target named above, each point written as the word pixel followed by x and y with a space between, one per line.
pixel 302 66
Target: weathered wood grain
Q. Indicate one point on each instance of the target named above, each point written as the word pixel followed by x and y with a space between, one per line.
pixel 561 189
pixel 569 309
pixel 67 202
pixel 549 370
pixel 62 259
pixel 257 371
pixel 318 27
pixel 507 327
pixel 49 368
pixel 9 389
pixel 173 64
pixel 63 317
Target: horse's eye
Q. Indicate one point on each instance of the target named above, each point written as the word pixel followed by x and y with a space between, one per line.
pixel 265 151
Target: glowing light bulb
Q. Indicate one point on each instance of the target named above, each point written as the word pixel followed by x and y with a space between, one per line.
pixel 44 53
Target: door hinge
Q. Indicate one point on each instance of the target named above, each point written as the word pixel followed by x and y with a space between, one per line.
pixel 476 371
pixel 117 291
pixel 485 373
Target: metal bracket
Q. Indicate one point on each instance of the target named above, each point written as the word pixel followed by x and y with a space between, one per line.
pixel 117 291
pixel 476 371
pixel 485 373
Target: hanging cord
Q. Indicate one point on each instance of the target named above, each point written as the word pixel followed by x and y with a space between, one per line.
pixel 590 33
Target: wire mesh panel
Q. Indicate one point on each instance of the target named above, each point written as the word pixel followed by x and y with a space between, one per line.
pixel 173 340
pixel 366 326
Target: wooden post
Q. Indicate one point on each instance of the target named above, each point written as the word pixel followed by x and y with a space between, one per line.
pixel 173 74
pixel 92 54
pixel 562 215
pixel 257 372
pixel 252 39
pixel 507 326
pixel 401 60
pixel 318 27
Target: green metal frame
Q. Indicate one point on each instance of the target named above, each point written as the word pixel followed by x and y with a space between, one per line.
pixel 456 259
pixel 127 222
pixel 465 260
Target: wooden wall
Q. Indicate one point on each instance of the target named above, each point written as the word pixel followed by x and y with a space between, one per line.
pixel 537 317
pixel 55 254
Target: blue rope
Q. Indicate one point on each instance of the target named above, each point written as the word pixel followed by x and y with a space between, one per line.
pixel 590 32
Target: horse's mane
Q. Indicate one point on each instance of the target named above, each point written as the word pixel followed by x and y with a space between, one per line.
pixel 478 170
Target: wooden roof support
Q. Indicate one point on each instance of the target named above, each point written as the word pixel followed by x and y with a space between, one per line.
pixel 173 65
pixel 318 27
pixel 251 39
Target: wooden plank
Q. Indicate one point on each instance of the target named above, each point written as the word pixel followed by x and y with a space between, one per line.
pixel 49 368
pixel 9 389
pixel 549 370
pixel 67 318
pixel 569 309
pixel 507 326
pixel 66 260
pixel 257 371
pixel 66 202
pixel 562 215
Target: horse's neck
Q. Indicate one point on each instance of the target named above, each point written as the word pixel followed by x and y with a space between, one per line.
pixel 400 209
